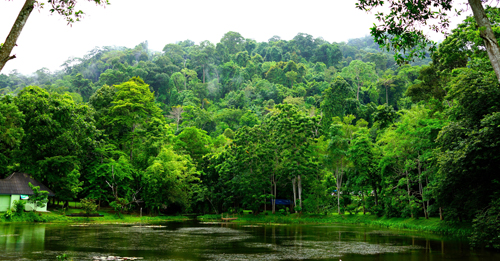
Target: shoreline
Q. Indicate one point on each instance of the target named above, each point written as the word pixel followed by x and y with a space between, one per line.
pixel 431 225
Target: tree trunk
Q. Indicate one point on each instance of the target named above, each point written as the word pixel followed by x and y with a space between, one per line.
pixel 203 73
pixel 408 188
pixel 338 190
pixel 294 195
pixel 299 187
pixel 386 95
pixel 274 200
pixel 421 188
pixel 487 34
pixel 427 184
pixel 11 40
pixel 357 94
pixel 422 194
pixel 375 194
pixel 364 203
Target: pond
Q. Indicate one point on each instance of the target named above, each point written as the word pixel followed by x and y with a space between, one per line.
pixel 213 241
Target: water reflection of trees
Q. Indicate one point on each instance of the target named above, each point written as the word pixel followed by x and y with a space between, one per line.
pixel 15 238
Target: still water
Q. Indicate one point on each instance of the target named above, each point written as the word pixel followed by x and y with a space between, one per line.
pixel 202 241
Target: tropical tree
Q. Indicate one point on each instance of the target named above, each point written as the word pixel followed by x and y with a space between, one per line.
pixel 295 134
pixel 336 159
pixel 337 101
pixel 59 137
pixel 11 132
pixel 170 179
pixel 134 115
pixel 360 73
pixel 39 198
pixel 400 28
pixel 363 155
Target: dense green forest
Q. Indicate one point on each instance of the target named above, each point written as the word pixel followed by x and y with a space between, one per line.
pixel 206 128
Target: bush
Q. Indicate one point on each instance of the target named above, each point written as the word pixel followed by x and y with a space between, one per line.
pixel 352 209
pixel 377 210
pixel 391 211
pixel 88 205
pixel 486 227
pixel 120 205
pixel 19 206
pixel 8 214
pixel 63 257
pixel 34 217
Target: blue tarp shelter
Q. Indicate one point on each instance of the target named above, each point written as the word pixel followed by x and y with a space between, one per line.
pixel 280 202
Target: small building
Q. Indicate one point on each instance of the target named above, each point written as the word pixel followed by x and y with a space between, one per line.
pixel 16 187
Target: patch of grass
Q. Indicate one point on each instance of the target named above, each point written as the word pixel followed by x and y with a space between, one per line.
pixel 59 216
pixel 433 225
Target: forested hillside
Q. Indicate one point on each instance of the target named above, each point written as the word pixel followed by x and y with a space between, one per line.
pixel 226 126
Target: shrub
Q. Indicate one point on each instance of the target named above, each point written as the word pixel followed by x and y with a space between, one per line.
pixel 34 217
pixel 19 206
pixel 352 209
pixel 377 210
pixel 88 205
pixel 63 257
pixel 8 214
pixel 39 198
pixel 120 205
pixel 391 211
pixel 486 227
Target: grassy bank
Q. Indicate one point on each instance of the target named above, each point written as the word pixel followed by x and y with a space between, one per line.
pixel 109 216
pixel 433 225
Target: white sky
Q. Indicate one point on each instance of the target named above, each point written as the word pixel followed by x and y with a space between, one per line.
pixel 47 41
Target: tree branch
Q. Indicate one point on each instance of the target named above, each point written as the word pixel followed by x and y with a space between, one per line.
pixel 11 40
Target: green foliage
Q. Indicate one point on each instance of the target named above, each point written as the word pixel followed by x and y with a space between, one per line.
pixel 486 226
pixel 333 125
pixel 469 144
pixel 120 205
pixel 19 207
pixel 39 198
pixel 170 179
pixel 62 257
pixel 11 132
pixel 400 25
pixel 88 205
pixel 8 214
pixel 336 100
pixel 59 136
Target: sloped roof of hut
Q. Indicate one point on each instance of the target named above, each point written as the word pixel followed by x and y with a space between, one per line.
pixel 17 184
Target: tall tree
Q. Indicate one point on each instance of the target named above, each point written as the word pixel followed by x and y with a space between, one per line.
pixel 171 178
pixel 134 115
pixel 339 136
pixel 360 73
pixel 11 132
pixel 400 29
pixel 363 155
pixel 295 135
pixel 336 100
pixel 59 138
